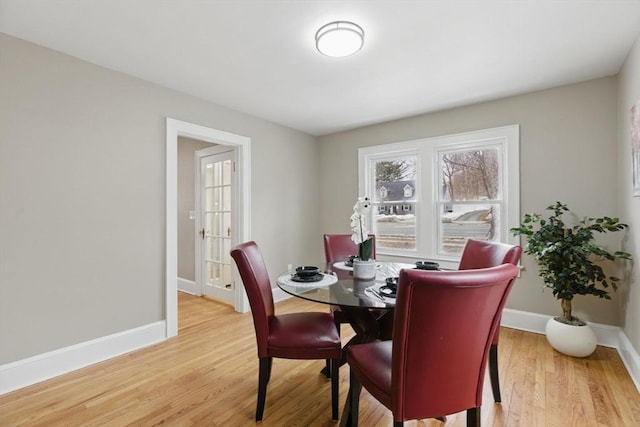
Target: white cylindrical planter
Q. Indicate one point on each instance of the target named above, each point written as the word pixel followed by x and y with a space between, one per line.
pixel 577 341
pixel 364 269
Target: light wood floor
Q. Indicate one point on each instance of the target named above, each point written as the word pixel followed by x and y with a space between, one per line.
pixel 207 376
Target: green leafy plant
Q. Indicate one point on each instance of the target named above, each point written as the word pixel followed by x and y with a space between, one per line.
pixel 567 257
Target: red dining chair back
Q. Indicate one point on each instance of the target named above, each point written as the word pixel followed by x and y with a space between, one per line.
pixel 482 254
pixel 435 364
pixel 338 247
pixel 308 335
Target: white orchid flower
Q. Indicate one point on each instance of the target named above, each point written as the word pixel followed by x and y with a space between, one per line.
pixel 358 220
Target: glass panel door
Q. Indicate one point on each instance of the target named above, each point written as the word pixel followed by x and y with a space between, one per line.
pixel 217 173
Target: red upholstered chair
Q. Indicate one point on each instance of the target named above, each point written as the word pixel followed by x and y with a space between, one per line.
pixel 480 254
pixel 309 335
pixel 442 332
pixel 338 247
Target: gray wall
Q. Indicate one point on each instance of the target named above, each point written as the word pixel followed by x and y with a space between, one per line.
pixel 186 203
pixel 628 95
pixel 82 184
pixel 568 152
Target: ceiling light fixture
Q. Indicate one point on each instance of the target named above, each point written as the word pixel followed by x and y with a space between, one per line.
pixel 340 38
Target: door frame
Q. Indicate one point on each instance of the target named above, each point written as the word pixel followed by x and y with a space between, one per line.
pixel 242 144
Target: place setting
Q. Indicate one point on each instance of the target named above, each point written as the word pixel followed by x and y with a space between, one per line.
pixel 388 291
pixel 308 275
pixel 390 287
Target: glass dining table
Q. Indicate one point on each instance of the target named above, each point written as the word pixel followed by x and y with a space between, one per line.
pixel 366 304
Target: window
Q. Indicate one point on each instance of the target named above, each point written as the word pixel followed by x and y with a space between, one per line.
pixel 435 193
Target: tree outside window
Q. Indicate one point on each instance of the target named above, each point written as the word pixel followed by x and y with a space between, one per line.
pixel 470 180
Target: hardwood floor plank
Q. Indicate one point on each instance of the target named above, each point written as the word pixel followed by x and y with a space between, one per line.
pixel 207 376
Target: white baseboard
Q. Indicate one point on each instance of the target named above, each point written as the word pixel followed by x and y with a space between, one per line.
pixel 607 336
pixel 45 366
pixel 630 358
pixel 188 286
pixel 524 321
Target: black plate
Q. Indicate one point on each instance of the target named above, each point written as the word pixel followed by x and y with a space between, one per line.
pixel 349 262
pixel 388 292
pixel 427 265
pixel 307 279
pixel 307 271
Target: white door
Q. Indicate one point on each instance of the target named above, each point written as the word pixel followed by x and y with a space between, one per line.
pixel 216 225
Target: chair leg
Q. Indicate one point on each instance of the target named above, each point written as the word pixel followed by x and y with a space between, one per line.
pixel 335 382
pixel 353 399
pixel 354 388
pixel 345 420
pixel 263 379
pixel 493 373
pixel 327 368
pixel 398 423
pixel 269 371
pixel 473 417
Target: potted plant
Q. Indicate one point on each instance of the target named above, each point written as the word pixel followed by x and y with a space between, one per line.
pixel 569 263
pixel 363 266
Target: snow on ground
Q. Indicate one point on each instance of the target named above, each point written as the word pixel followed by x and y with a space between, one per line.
pixel 458 211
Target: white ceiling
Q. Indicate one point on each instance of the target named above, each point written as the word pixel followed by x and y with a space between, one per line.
pixel 259 57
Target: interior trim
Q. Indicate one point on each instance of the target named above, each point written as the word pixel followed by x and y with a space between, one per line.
pixel 25 372
pixel 175 128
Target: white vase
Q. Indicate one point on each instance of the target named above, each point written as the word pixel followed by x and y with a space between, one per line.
pixel 364 269
pixel 572 340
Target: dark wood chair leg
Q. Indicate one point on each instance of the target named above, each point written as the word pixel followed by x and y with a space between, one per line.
pixel 263 379
pixel 327 368
pixel 345 420
pixel 398 423
pixel 354 388
pixel 269 372
pixel 473 417
pixel 335 382
pixel 493 373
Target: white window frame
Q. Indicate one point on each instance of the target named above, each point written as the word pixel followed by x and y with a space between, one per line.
pixel 505 138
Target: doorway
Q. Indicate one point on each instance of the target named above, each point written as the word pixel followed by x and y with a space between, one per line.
pixel 242 147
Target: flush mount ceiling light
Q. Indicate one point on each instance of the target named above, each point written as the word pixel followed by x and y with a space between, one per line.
pixel 340 38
